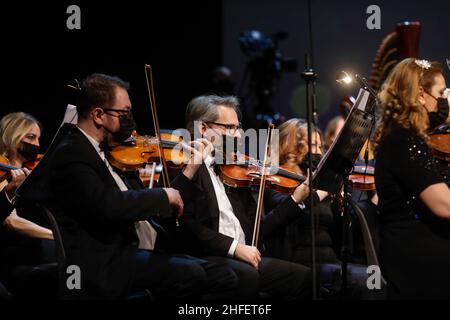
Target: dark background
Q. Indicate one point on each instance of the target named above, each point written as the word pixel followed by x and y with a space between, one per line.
pixel 183 41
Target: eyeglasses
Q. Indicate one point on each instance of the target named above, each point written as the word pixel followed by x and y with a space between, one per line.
pixel 122 112
pixel 232 128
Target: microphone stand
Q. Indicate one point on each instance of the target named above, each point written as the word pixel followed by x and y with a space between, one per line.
pixel 365 85
pixel 310 76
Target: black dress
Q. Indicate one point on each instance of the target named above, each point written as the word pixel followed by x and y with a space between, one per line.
pixel 414 256
pixel 293 243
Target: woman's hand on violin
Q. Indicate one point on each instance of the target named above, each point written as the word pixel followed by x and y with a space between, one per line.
pixel 175 201
pixel 201 148
pixel 248 254
pixel 17 177
pixel 301 192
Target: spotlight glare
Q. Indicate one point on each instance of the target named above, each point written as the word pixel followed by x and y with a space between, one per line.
pixel 347 80
pixel 344 78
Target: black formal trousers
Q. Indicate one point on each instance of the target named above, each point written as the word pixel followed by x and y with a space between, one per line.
pixel 183 278
pixel 281 280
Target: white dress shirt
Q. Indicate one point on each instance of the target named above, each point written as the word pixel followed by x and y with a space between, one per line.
pixel 146 233
pixel 229 224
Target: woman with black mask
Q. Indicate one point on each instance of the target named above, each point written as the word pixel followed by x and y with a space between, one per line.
pixel 294 242
pixel 414 201
pixel 293 156
pixel 23 241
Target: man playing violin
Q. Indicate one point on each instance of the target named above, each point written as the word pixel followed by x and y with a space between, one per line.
pixel 220 220
pixel 103 220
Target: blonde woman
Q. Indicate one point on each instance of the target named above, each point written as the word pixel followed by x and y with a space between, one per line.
pixel 15 128
pixel 20 133
pixel 414 201
pixel 20 238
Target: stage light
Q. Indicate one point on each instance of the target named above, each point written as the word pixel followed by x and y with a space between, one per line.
pixel 344 78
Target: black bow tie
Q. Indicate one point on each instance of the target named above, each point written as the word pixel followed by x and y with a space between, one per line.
pixel 216 168
pixel 104 146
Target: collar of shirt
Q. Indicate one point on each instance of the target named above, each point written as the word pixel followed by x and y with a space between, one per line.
pixel 94 143
pixel 119 181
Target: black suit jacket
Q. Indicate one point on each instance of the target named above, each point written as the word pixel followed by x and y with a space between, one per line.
pixel 201 216
pixel 169 235
pixel 97 219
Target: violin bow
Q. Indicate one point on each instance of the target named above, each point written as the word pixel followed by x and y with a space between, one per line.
pixel 262 187
pixel 151 95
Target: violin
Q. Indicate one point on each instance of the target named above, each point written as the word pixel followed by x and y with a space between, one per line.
pixel 362 178
pixel 249 172
pixel 30 165
pixel 142 150
pixel 440 142
pixel 6 167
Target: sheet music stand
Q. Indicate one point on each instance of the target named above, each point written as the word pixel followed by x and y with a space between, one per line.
pixel 334 168
pixel 338 161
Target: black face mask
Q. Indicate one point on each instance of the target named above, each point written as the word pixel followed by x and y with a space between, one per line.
pixel 28 151
pixel 315 157
pixel 127 125
pixel 439 117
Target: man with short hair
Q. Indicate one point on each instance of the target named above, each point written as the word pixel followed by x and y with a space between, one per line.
pixel 106 226
pixel 221 219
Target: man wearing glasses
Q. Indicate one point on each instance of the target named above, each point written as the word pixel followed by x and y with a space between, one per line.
pixel 106 223
pixel 220 219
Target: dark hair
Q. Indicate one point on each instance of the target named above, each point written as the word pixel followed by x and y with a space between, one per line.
pixel 98 90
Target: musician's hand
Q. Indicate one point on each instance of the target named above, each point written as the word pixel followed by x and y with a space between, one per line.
pixel 248 254
pixel 301 192
pixel 175 201
pixel 201 148
pixel 17 177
